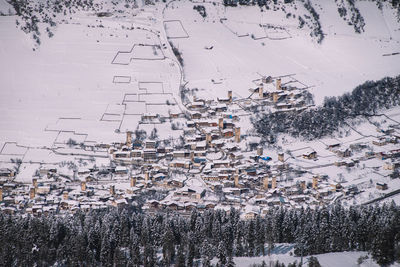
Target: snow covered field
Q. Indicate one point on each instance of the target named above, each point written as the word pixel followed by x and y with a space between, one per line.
pixel 284 254
pixel 71 75
pixel 240 54
pixel 69 83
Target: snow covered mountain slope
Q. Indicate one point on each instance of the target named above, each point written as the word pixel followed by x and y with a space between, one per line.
pixel 72 75
pixel 6 9
pixel 248 43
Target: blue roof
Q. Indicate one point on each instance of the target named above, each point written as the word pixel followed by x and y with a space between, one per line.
pixel 198 160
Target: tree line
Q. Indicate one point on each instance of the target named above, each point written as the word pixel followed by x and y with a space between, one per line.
pixel 130 238
pixel 365 100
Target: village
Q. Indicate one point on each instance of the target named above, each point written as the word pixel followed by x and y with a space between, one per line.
pixel 213 165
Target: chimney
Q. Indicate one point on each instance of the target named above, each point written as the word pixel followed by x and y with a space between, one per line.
pixel 65 195
pixel 275 97
pixel 221 123
pixel 303 185
pixel 192 156
pixel 1 194
pixel 133 181
pixel 315 182
pixel 265 183
pixel 278 84
pixel 230 96
pixel 273 186
pixel 281 157
pixel 208 138
pixel 34 182
pixel 146 177
pixel 83 186
pixel 32 193
pixel 261 91
pixel 237 135
pixel 259 151
pixel 193 146
pixel 236 180
pixel 112 190
pixel 129 139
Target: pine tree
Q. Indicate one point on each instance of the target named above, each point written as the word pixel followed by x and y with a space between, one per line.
pixel 206 253
pixel 313 262
pixel 190 249
pixel 168 246
pixel 250 238
pixel 135 249
pixel 221 254
pixel 260 237
pixel 180 262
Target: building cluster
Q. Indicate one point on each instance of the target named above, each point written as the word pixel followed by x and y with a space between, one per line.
pixel 282 96
pixel 214 167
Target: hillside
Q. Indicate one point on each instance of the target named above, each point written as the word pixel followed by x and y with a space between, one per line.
pixel 246 43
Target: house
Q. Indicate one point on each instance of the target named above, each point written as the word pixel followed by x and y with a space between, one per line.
pixel 310 155
pixel 9 186
pixel 172 206
pixel 179 154
pixel 224 100
pixel 198 161
pixel 43 189
pixel 281 106
pixel 149 116
pixel 201 146
pixel 211 178
pixel 228 124
pixel 137 144
pixel 180 164
pixel 121 155
pixel 343 152
pixel 195 115
pixel 336 187
pixel 324 192
pixel 5 172
pixel 218 143
pixel 154 204
pixel 220 108
pixel 386 131
pixel 150 144
pixel 174 114
pixel 121 170
pixel 191 192
pixel 250 171
pixel 190 206
pixel 210 205
pixel 177 183
pixel 221 163
pixel 250 215
pixel 149 154
pixel 379 142
pixel 391 165
pixel 381 186
pixel 190 124
pixel 196 105
pixel 228 133
pixel 120 203
pixel 136 153
pixel 202 123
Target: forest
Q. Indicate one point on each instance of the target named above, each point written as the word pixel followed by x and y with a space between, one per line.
pixel 365 100
pixel 130 238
